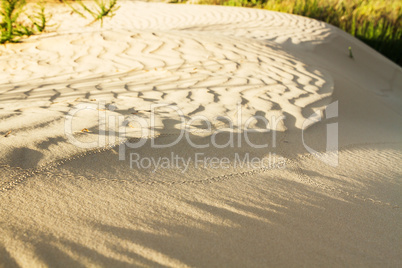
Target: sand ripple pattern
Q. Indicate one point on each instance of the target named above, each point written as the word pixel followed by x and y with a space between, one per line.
pixel 204 62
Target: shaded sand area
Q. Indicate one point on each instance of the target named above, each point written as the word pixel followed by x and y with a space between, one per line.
pixel 222 71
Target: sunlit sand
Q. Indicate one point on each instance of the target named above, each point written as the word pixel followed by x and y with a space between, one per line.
pixel 152 69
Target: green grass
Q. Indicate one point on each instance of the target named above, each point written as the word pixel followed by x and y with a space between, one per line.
pixel 40 20
pixel 11 26
pixel 378 23
pixel 11 29
pixel 101 11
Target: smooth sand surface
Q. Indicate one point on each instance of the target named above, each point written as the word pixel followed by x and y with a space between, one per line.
pixel 61 205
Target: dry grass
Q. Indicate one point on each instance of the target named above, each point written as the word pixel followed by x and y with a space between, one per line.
pixel 376 22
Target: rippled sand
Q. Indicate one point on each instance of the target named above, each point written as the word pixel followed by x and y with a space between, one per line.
pixel 62 205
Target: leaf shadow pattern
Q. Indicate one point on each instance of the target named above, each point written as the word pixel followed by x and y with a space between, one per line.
pixel 267 220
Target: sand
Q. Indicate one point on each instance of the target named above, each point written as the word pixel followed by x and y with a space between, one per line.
pixel 65 205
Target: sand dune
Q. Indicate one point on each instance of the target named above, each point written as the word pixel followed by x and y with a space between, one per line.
pixel 64 205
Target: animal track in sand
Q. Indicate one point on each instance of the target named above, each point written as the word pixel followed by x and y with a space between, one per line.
pixel 55 170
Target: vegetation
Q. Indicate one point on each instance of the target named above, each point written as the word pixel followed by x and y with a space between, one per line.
pixel 40 19
pixel 102 10
pixel 378 23
pixel 12 28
